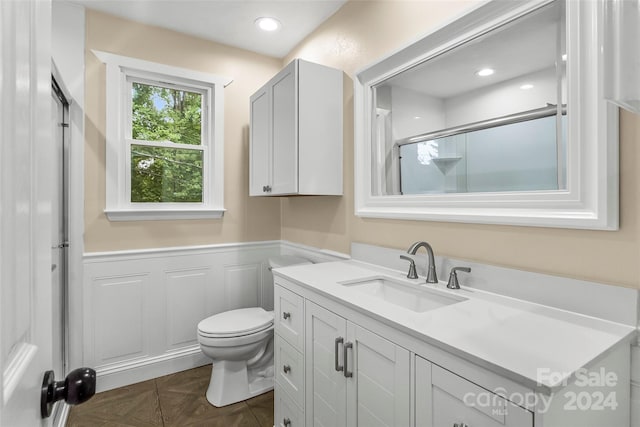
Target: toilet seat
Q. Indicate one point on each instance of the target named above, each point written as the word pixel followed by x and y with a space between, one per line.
pixel 236 323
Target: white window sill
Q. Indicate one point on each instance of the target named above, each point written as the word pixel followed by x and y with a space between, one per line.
pixel 164 214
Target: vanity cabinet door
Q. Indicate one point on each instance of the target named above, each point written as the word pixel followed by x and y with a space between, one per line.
pixel 354 377
pixel 260 145
pixel 379 389
pixel 326 333
pixel 444 399
pixel 285 131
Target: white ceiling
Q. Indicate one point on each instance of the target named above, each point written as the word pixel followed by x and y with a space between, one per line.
pixel 230 22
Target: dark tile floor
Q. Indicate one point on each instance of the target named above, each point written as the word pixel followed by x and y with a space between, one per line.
pixel 173 400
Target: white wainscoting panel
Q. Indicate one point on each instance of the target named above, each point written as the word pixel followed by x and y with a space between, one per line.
pixel 120 318
pixel 141 308
pixel 185 305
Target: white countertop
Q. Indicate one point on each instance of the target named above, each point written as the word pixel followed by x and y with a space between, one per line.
pixel 514 337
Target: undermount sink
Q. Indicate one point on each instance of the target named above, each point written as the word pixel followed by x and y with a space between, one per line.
pixel 410 296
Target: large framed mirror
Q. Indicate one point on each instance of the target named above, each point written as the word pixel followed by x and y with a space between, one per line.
pixel 497 117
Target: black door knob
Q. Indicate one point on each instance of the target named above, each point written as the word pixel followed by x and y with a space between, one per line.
pixel 78 387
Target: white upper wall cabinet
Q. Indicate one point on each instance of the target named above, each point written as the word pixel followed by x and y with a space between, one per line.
pixel 296 133
pixel 497 117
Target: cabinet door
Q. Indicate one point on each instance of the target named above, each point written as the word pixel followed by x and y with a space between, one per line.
pixel 260 144
pixel 378 392
pixel 326 384
pixel 444 399
pixel 284 106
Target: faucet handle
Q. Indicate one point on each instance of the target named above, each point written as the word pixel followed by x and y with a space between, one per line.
pixel 412 274
pixel 453 277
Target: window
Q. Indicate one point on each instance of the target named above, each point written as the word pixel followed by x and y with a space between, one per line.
pixel 164 141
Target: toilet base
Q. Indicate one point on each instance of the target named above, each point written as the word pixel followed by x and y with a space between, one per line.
pixel 232 382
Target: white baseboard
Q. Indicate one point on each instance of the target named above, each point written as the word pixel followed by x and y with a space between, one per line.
pixel 60 414
pixel 131 372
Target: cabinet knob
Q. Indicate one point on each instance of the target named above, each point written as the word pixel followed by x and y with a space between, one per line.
pixel 286 369
pixel 286 422
pixel 286 315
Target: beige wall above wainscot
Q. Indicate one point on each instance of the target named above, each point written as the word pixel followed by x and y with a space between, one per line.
pixel 246 219
pixel 361 33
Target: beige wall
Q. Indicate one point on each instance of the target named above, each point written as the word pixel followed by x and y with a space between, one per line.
pixel 361 33
pixel 246 219
pixel 357 35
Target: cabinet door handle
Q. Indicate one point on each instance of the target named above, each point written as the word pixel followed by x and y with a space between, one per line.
pixel 347 346
pixel 339 341
pixel 286 422
pixel 286 369
pixel 286 315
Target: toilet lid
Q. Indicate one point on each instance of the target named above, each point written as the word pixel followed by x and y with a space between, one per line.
pixel 242 321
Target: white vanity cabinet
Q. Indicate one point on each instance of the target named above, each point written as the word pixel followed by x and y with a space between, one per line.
pixel 342 366
pixel 296 132
pixel 353 377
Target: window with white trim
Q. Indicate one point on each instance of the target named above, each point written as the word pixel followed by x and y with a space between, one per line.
pixel 164 141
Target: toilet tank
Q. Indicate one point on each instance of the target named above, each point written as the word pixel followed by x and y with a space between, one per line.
pixel 267 283
pixel 287 260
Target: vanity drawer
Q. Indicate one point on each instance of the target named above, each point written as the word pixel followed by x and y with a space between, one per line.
pixel 286 413
pixel 289 369
pixel 289 317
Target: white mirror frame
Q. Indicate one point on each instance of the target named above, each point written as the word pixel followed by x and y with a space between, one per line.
pixel 591 198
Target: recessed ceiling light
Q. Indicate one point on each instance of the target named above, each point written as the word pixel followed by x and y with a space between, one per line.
pixel 268 24
pixel 485 72
pixel 526 86
pixel 417 117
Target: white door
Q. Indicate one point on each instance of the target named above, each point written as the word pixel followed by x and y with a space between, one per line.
pixel 378 391
pixel 25 209
pixel 326 333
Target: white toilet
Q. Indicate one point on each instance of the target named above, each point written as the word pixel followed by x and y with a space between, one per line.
pixel 240 342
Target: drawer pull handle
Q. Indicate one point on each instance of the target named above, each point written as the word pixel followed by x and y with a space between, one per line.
pixel 347 346
pixel 286 369
pixel 460 425
pixel 339 341
pixel 286 315
pixel 286 422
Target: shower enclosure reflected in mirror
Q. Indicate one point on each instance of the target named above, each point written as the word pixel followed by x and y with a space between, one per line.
pixel 497 117
pixel 486 116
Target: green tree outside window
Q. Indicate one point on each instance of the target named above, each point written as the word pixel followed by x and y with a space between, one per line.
pixel 165 174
